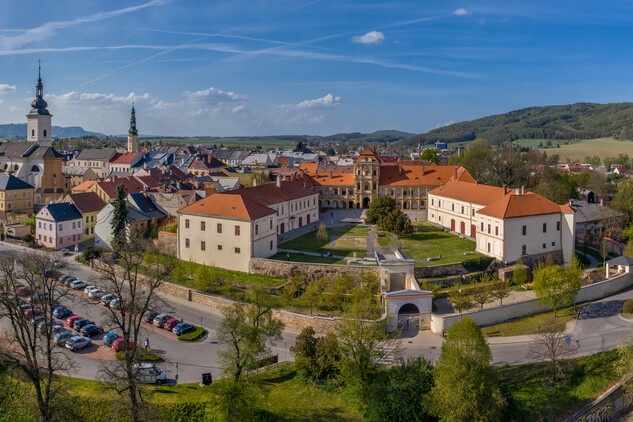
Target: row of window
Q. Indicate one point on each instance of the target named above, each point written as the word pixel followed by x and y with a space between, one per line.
pixel 33 133
pixel 463 209
pixel 203 246
pixel 9 205
pixel 75 238
pixel 75 225
pixel 15 194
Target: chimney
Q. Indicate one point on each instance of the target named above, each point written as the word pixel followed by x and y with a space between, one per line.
pixel 255 181
pixel 518 191
pixel 278 181
pixel 419 153
pixel 423 168
pixel 522 190
pixel 455 172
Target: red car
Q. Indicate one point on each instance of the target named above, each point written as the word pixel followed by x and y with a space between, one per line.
pixel 118 344
pixel 33 312
pixel 170 324
pixel 71 320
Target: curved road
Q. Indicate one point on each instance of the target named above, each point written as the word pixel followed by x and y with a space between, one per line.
pixel 598 328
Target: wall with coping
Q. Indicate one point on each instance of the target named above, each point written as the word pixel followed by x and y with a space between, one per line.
pixel 285 269
pixel 499 314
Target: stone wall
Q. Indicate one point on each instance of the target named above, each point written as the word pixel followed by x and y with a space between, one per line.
pixel 167 243
pixel 440 270
pixel 284 269
pixel 499 314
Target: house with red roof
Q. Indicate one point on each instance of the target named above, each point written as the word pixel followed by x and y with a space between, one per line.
pixel 506 224
pixel 121 163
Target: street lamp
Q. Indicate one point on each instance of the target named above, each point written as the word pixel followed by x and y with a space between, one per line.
pixel 461 304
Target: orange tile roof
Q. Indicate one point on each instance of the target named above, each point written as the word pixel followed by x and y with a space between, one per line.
pixel 334 179
pixel 269 193
pixel 566 209
pixel 124 158
pixel 308 167
pixel 528 204
pixel 86 202
pixel 83 187
pixel 408 175
pixel 232 206
pixel 470 192
pixel 367 152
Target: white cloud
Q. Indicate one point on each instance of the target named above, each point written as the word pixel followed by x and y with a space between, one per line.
pixel 328 101
pixel 93 99
pixel 372 37
pixel 16 108
pixel 212 96
pixel 460 12
pixel 5 88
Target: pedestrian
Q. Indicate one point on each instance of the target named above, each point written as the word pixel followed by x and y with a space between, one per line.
pixel 146 344
pixel 288 256
pixel 181 321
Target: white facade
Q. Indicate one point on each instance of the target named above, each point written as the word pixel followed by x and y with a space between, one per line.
pixel 454 214
pixel 39 129
pixel 296 213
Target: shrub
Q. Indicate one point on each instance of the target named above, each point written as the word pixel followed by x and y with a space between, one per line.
pixel 28 238
pixel 628 307
pixel 142 355
pixel 194 335
pixel 476 263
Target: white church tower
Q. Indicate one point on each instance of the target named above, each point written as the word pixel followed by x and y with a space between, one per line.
pixel 39 119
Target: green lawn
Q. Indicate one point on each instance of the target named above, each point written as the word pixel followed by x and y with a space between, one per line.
pixel 529 325
pixel 531 397
pixel 280 395
pixel 297 257
pixel 534 143
pixel 308 242
pixel 431 241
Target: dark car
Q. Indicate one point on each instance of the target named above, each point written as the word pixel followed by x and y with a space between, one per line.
pixel 109 338
pixel 90 330
pixel 33 312
pixel 62 313
pixel 81 323
pixel 149 317
pixel 182 328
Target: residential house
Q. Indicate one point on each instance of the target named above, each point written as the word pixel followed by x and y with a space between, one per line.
pixel 235 160
pixel 260 160
pixel 121 164
pixel 142 216
pixel 97 159
pixel 84 187
pixel 76 175
pixel 204 165
pixel 15 195
pixel 506 224
pixel 58 225
pixel 107 189
pixel 594 220
pixel 622 171
pixel 89 204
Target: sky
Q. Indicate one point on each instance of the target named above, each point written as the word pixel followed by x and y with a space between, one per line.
pixel 273 67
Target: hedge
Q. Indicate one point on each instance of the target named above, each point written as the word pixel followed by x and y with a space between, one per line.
pixel 194 335
pixel 476 263
pixel 627 308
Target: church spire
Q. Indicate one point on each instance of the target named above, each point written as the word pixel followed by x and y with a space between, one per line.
pixel 39 103
pixel 133 130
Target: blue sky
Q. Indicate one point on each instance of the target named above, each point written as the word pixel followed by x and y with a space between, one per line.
pixel 307 67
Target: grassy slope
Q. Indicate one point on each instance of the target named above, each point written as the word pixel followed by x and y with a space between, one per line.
pixel 308 242
pixel 430 241
pixel 530 325
pixel 602 147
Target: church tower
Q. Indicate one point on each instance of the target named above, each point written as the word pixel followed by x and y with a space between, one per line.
pixel 39 119
pixel 132 134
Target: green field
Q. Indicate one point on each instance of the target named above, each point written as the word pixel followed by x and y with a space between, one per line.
pixel 430 241
pixel 533 143
pixel 602 147
pixel 308 242
pixel 248 143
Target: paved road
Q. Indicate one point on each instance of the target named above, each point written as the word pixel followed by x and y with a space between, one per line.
pixel 598 328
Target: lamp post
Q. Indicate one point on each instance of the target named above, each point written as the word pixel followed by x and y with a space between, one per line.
pixel 461 304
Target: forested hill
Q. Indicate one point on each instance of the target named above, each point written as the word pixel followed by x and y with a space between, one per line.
pixel 581 120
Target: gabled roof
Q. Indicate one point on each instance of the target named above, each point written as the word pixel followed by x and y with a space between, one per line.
pixel 621 260
pixel 63 211
pixel 86 202
pixel 145 205
pixel 96 154
pixel 475 193
pixel 149 181
pixel 82 187
pixel 367 153
pixel 270 194
pixel 124 158
pixel 9 182
pixel 75 170
pixel 231 206
pixel 131 185
pixel 513 206
pixel 419 174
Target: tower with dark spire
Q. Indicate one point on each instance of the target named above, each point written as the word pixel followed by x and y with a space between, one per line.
pixel 39 119
pixel 132 134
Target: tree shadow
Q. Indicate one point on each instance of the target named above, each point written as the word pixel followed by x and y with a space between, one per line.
pixel 601 309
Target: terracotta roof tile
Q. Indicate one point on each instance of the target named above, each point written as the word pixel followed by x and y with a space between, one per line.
pixel 124 158
pixel 408 175
pixel 528 204
pixel 334 179
pixel 367 153
pixel 86 202
pixel 83 187
pixel 475 193
pixel 232 206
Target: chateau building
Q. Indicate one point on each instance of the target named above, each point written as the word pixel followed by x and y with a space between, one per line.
pixel 357 186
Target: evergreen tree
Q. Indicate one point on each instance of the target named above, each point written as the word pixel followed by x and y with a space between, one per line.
pixel 119 219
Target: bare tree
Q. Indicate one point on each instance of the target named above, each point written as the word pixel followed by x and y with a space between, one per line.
pixel 133 276
pixel 501 289
pixel 29 276
pixel 604 250
pixel 551 345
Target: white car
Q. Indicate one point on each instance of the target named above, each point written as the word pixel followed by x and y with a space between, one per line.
pixel 87 289
pixel 77 343
pixel 107 298
pixel 96 293
pixel 78 285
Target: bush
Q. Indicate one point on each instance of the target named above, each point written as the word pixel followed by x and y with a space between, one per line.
pixel 476 263
pixel 194 335
pixel 28 238
pixel 627 308
pixel 142 355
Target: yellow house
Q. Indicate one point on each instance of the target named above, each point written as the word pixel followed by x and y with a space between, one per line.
pixel 89 204
pixel 15 195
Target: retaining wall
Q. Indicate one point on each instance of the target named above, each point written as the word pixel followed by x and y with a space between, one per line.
pixel 439 270
pixel 499 314
pixel 605 408
pixel 284 269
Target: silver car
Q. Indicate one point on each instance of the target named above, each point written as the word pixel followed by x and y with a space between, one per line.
pixel 77 343
pixel 63 337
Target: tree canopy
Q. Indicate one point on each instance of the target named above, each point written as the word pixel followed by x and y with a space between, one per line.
pixel 557 286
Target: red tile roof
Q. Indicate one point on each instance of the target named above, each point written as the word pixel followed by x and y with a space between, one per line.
pixel 86 202
pixel 83 187
pixel 269 193
pixel 178 173
pixel 334 179
pixel 124 158
pixel 130 184
pixel 471 192
pixel 367 153
pixel 528 204
pixel 418 174
pixel 233 206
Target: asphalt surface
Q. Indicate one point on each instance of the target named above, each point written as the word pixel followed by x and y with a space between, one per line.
pixel 598 328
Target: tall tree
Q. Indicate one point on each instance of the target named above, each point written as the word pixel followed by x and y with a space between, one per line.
pixel 556 286
pixel 23 343
pixel 477 159
pixel 119 219
pixel 465 386
pixel 134 277
pixel 380 207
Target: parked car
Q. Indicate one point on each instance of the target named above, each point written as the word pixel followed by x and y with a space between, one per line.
pixel 64 251
pixel 65 277
pixel 148 373
pixel 95 293
pixel 77 343
pixel 25 306
pixel 171 323
pixel 68 280
pixel 70 321
pixel 60 329
pixel 62 313
pixel 33 312
pixel 62 337
pixel 46 322
pixel 107 298
pixel 90 330
pixel 109 338
pixel 149 316
pixel 182 328
pixel 39 297
pixel 37 319
pixel 160 320
pixel 78 285
pixel 81 323
pixel 88 289
pixel 119 344
pixel 22 290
